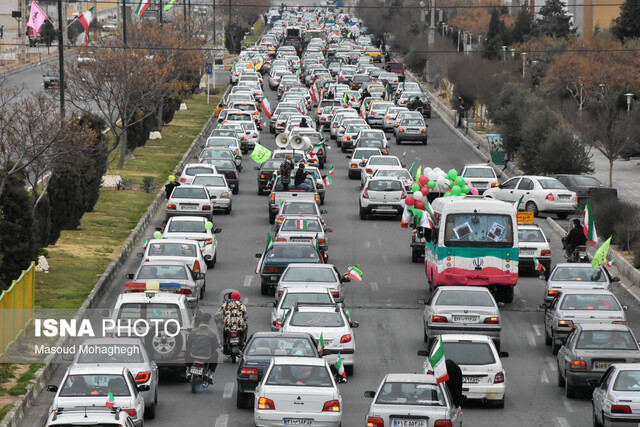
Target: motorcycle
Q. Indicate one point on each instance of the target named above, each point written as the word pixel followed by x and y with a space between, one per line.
pixel 199 377
pixel 579 254
pixel 233 344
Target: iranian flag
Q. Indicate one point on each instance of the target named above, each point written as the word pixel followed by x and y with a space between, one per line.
pixel 589 226
pixel 517 203
pixel 266 107
pixel 437 363
pixel 610 263
pixel 332 170
pixel 404 222
pixel 85 20
pixel 321 343
pixel 537 265
pixel 327 180
pixel 111 402
pixel 340 367
pixel 142 6
pixel 362 113
pixel 355 273
pixel 301 224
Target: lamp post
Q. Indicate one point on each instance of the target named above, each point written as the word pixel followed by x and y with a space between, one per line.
pixel 524 62
pixel 629 97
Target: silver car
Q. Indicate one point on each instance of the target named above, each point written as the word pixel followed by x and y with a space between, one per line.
pixel 616 397
pixel 412 400
pixel 218 189
pixel 481 176
pixel 592 349
pixel 461 310
pixel 305 228
pixel 411 129
pixel 376 162
pixel 192 169
pixel 577 276
pixel 382 196
pixel 358 158
pixel 570 308
pixel 183 250
pixel 189 200
pixel 322 276
pixel 179 274
pixel 294 295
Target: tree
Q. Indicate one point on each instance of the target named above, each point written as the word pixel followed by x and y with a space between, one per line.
pixel 94 159
pixel 48 33
pixel 554 21
pixel 508 111
pixel 522 27
pixel 65 197
pixel 627 25
pixel 493 47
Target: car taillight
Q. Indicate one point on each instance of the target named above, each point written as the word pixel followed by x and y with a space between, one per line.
pixel 620 409
pixel 552 293
pixel 208 241
pixel 273 197
pixel 346 138
pixel 206 207
pixel 322 241
pixel 264 403
pixel 196 267
pixel 365 194
pixel 353 165
pixel 369 170
pixel 424 131
pixel 545 252
pixel 492 320
pixel 171 206
pixel 245 372
pixel 578 365
pixel 317 198
pixel 182 179
pixel 335 294
pixel 279 294
pixel 331 406
pixel 132 412
pixel 439 319
pixel 442 423
pixel 375 422
pixel 281 239
pixel 400 130
pixel 263 176
pixel 280 219
pixel 318 111
pixel 270 270
pixel 619 322
pixel 499 378
pixel 345 339
pixel 549 197
pixel 255 135
pixel 231 175
pixel 143 377
pixel 184 291
pixel 565 323
pixel 384 151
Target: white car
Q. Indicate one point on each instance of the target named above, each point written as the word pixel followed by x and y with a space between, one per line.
pixel 616 397
pixel 189 200
pixel 533 244
pixel 402 174
pixel 483 376
pixel 98 416
pixel 481 176
pixel 332 324
pixel 389 120
pixel 337 120
pixel 218 188
pixel 348 131
pixel 183 250
pixel 168 273
pixel 297 391
pixel 194 228
pixel 382 196
pixel 358 159
pixel 294 295
pixel 376 162
pixel 321 276
pixel 539 194
pixel 190 170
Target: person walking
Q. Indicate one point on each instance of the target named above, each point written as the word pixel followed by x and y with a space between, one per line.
pixel 461 111
pixel 168 188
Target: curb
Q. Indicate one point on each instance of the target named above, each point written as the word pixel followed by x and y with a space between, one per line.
pixel 21 406
pixel 24 67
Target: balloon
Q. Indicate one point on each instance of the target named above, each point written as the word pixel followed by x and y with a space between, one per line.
pixel 423 180
pixel 426 171
pixel 157 235
pixel 409 201
pixel 474 191
pixel 460 181
pixel 208 225
pixel 453 173
pixel 447 194
pixel 418 196
pixel 424 190
pixel 465 189
pixel 415 187
pixel 456 190
pixel 442 181
pixel 432 176
pixel 431 184
pixel 420 205
pixel 451 183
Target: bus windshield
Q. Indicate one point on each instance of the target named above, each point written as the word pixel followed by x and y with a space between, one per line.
pixel 478 230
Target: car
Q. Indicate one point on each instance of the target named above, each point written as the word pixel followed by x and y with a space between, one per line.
pixel 211 153
pixel 292 383
pixel 290 296
pixel 251 137
pixel 51 78
pixel 389 119
pixel 294 208
pixel 412 400
pixel 183 250
pixel 194 228
pixel 93 385
pixel 382 196
pixel 590 350
pixel 190 170
pixel 82 415
pixel 411 129
pixel 225 138
pixel 351 126
pixel 131 354
pixel 533 244
pixel 461 310
pixel 265 174
pixel 408 87
pixel 576 276
pixel 480 176
pixel 328 323
pixel 539 194
pixel 373 163
pixel 358 158
pixel 278 256
pixel 372 138
pixel 304 228
pixel 229 171
pixel 217 186
pixel 320 276
pixel 575 307
pixel 325 115
pixel 314 173
pixel 395 67
pixel 337 119
pixel 176 273
pixel 401 174
pixel 483 375
pixel 616 397
pixel 260 349
pixel 189 200
pixel 421 103
pixel 585 186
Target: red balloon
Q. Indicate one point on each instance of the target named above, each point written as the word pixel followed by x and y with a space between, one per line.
pixel 409 201
pixel 424 190
pixel 423 180
pixel 420 205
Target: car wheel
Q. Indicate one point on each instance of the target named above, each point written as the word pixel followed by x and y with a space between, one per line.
pixel 321 165
pixel 210 264
pixel 415 255
pixel 150 412
pixel 507 294
pixel 554 347
pixel 348 369
pixel 363 213
pixel 547 338
pixel 424 142
pixel 338 143
pixel 163 346
pixel 236 190
pixel 322 200
pixel 562 215
pixel 425 337
pixel 500 403
pixel 260 191
pixel 343 148
pixel 242 400
pixel 398 141
pixel 229 208
pixel 596 423
pixel 531 207
pixel 264 289
pixel 561 379
pixel 569 390
pixel 272 217
pixel 351 175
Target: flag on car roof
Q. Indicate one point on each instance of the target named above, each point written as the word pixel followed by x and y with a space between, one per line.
pixel 266 107
pixel 437 362
pixel 111 402
pixel 321 343
pixel 331 169
pixel 85 20
pixel 340 367
pixel 589 226
pixel 600 257
pixel 355 273
pixel 610 263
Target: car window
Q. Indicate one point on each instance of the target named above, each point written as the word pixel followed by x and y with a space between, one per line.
pixel 478 230
pixel 161 311
pixel 299 208
pixel 384 185
pixel 197 171
pixel 578 274
pixel 104 353
pixel 95 386
pixel 525 184
pixel 186 226
pixel 220 164
pixel 469 353
pixel 316 319
pixel 511 184
pixel 464 298
pixel 309 274
pixel 212 181
pixel 286 252
pixel 551 184
pixel 284 346
pixel 479 173
pixel 292 224
pixel 619 340
pixel 300 375
pixel 396 393
pixel 531 236
pixel 590 302
pixel 627 381
pixel 189 193
pixel 173 249
pixel 585 181
pixel 384 161
pixel 175 272
pixel 292 298
pixel 359 154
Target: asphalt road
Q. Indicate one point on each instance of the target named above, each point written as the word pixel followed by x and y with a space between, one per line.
pixel 384 303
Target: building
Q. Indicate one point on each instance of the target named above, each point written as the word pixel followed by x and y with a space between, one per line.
pixel 587 14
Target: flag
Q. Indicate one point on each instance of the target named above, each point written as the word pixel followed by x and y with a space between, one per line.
pixel 516 204
pixel 419 172
pixel 301 224
pixel 317 244
pixel 111 402
pixel 355 273
pixel 168 6
pixel 340 368
pixel 327 180
pixel 347 312
pixel 404 155
pixel 142 6
pixel 234 68
pixel 589 226
pixel 36 17
pixel 411 168
pixel 266 107
pixel 259 266
pixel 331 169
pixel 344 99
pixel 321 343
pixel 85 20
pixel 260 154
pixel 362 112
pixel 259 64
pixel 280 321
pixel 600 256
pixel 537 265
pixel 321 129
pixel 610 263
pixel 404 222
pixel 298 73
pixel 423 219
pixel 437 363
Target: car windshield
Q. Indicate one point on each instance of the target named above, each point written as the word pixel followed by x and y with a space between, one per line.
pixel 606 340
pixel 376 143
pixel 217 154
pixel 239 117
pixel 551 184
pixel 292 224
pixel 299 208
pixel 174 272
pixel 309 274
pixel 385 185
pixel 587 181
pixel 412 122
pixel 397 393
pixel 478 230
pixel 479 173
pixel 384 161
pixel 300 376
pixel 189 193
pixel 95 386
pixel 211 181
pixel 469 353
pixel 198 170
pixel 224 133
pixel 578 274
pixel 396 173
pixel 627 381
pixel 464 298
pixel 280 346
pixel 359 154
pixel 222 142
pixel 316 319
pixel 220 164
pixel 186 227
pixel 292 298
pixel 531 236
pixel 296 157
pixel 110 353
pixel 161 311
pixel 299 253
pixel 394 66
pixel 272 164
pixel 590 302
pixel 173 249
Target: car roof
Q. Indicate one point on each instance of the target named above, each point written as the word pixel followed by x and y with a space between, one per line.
pixel 308 264
pixel 173 240
pixel 96 369
pixel 159 297
pixel 602 327
pixel 586 292
pixel 478 165
pixel 288 360
pixel 188 218
pixel 163 262
pixel 278 334
pixel 302 216
pixel 463 288
pixel 306 290
pixel 573 264
pixel 410 378
pixel 529 227
pixel 465 337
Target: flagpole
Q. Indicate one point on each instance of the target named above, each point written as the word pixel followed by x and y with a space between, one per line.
pixel 61 59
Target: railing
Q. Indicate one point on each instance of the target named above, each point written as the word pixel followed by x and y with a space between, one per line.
pixel 16 307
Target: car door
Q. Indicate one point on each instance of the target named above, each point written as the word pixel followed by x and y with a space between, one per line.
pixel 564 354
pixel 600 391
pixel 507 190
pixel 524 189
pixel 549 314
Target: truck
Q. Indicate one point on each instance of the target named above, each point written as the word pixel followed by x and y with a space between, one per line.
pixel 279 196
pixel 294 33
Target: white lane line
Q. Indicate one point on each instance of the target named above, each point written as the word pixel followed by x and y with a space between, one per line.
pixel 374 286
pixel 247 280
pixel 567 405
pixel 561 422
pixel 367 244
pixel 553 364
pixel 228 390
pixel 537 330
pixel 544 378
pixel 222 420
pixel 379 242
pixel 531 339
pixel 384 258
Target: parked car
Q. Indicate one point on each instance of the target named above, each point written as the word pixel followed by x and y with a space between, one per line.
pixel 586 186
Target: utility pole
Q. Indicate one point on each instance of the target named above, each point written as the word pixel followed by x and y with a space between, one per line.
pixel 160 11
pixel 184 12
pixel 61 58
pixel 124 23
pixel 432 23
pixel 214 25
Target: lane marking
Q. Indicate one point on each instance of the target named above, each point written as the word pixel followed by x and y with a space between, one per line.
pixel 531 339
pixel 537 330
pixel 228 390
pixel 374 286
pixel 367 244
pixel 553 364
pixel 247 280
pixel 222 420
pixel 246 300
pixel 543 376
pixel 567 405
pixel 384 258
pixel 379 242
pixel 561 422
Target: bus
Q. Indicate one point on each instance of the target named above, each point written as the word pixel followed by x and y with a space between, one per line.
pixel 474 242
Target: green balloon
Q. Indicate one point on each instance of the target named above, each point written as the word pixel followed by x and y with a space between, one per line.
pixel 451 183
pixel 465 189
pixel 431 184
pixel 157 235
pixel 208 225
pixel 453 173
pixel 415 187
pixel 460 181
pixel 447 194
pixel 456 190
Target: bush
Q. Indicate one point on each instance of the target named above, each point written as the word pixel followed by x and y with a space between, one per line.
pixel 65 197
pixel 95 161
pixel 610 214
pixel 169 109
pixel 148 184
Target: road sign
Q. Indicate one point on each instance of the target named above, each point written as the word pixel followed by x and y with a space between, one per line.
pixel 525 217
pixel 209 67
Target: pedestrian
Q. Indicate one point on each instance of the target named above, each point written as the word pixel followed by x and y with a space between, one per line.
pixel 461 111
pixel 1 32
pixel 168 188
pixel 303 123
pixel 454 383
pixel 285 172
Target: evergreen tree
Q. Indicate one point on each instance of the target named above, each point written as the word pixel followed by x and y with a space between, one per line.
pixel 554 21
pixel 42 223
pixel 493 46
pixel 94 164
pixel 522 25
pixel 627 25
pixel 66 201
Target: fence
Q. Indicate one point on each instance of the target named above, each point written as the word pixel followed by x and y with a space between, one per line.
pixel 16 307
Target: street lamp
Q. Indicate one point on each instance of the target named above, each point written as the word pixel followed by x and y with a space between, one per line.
pixel 629 97
pixel 524 62
pixel 504 53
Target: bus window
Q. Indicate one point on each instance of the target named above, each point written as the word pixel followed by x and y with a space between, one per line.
pixel 478 230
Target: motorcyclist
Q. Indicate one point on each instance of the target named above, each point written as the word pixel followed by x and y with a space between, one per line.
pixel 575 237
pixel 202 345
pixel 234 318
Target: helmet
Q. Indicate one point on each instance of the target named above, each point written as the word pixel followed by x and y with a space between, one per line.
pixel 235 296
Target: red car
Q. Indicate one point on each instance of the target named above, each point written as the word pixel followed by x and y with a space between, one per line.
pixel 395 67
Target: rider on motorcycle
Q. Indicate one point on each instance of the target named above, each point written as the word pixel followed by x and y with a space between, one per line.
pixel 575 237
pixel 234 315
pixel 202 345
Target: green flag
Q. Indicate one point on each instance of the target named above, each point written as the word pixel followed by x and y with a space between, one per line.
pixel 344 98
pixel 168 6
pixel 268 242
pixel 600 256
pixel 516 205
pixel 411 168
pixel 260 154
pixel 317 244
pixel 321 344
pixel 419 172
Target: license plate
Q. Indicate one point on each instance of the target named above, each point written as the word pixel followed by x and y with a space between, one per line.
pixel 298 422
pixel 529 253
pixel 196 371
pixel 479 184
pixel 299 239
pixel 413 131
pixel 408 423
pixel 234 340
pixel 563 197
pixel 465 319
pixel 470 380
pixel 188 207
pixel 601 366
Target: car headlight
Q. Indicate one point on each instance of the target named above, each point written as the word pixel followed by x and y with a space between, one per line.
pixel 224 196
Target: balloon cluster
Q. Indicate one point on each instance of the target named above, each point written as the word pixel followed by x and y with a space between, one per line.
pixel 437 180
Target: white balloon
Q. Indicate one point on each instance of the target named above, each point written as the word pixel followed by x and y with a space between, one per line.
pixel 418 195
pixel 437 170
pixel 426 171
pixel 432 176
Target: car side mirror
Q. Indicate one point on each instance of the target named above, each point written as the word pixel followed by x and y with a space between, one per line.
pixel 143 387
pixel 369 393
pixel 318 186
pixel 625 307
pixel 341 380
pixel 544 305
pixel 348 157
pixel 140 254
pixel 52 388
pixel 199 276
pixel 178 173
pixel 615 279
pixel 354 324
pixel 217 230
pixel 501 304
pixel 258 255
pixel 503 354
pixel 256 168
pixel 542 277
pixel 329 230
pixel 270 304
pixel 422 301
pixel 323 211
pixel 424 353
pixel 129 275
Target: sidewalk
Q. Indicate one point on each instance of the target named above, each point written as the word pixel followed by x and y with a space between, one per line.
pixel 10 61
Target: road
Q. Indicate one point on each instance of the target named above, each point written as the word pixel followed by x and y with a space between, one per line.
pixel 384 303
